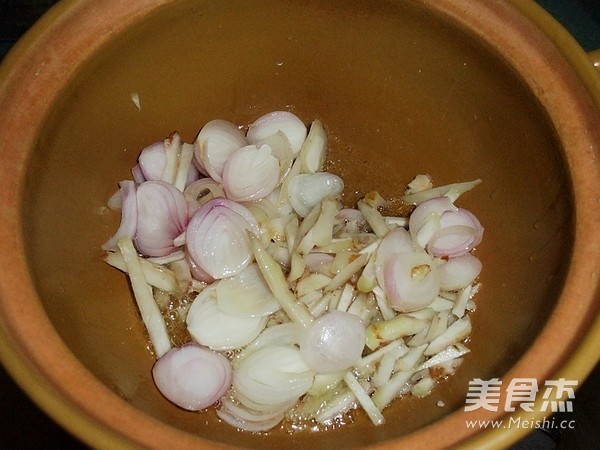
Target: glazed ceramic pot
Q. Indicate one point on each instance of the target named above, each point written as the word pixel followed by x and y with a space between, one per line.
pixel 456 89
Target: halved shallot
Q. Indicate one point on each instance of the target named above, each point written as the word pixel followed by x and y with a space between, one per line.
pixel 333 342
pixel 153 160
pixel 272 376
pixel 215 143
pixel 396 241
pixel 459 232
pixel 168 160
pixel 459 272
pixel 210 326
pixel 280 149
pixel 283 121
pixel 192 377
pixel 217 237
pixel 245 418
pixel 443 229
pixel 410 280
pixel 250 173
pixel 161 217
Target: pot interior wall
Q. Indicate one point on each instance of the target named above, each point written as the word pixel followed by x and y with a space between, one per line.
pixel 401 91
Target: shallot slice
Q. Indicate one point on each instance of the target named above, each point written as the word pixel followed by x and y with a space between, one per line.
pixel 280 149
pixel 138 175
pixel 284 121
pixel 459 272
pixel 161 217
pixel 217 239
pixel 288 333
pixel 197 272
pixel 215 143
pixel 273 375
pixel 411 281
pixel 443 229
pixel 424 220
pixel 244 419
pixel 459 232
pixel 250 173
pixel 396 241
pixel 200 191
pixel 129 213
pixel 244 413
pixel 246 294
pixel 212 327
pixel 334 342
pixel 192 377
pixel 167 160
pixel 307 190
pixel 153 160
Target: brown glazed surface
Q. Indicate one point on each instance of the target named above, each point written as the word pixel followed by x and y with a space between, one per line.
pixel 401 89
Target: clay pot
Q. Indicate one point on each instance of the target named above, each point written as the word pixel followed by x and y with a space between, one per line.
pixel 457 89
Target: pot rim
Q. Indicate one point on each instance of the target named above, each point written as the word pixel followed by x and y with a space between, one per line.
pixel 71 408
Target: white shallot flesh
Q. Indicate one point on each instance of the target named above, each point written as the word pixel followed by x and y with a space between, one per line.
pixel 269 300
